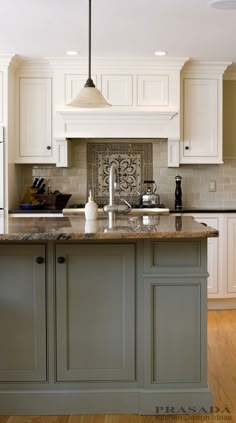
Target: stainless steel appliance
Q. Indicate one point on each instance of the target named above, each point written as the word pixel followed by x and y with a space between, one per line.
pixel 149 197
pixel 1 168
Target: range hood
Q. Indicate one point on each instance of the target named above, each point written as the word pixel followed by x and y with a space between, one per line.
pixel 118 123
pixel 115 123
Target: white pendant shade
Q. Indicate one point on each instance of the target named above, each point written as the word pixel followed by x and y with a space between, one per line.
pixel 222 4
pixel 89 97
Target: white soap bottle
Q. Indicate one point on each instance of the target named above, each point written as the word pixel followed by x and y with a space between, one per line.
pixel 91 208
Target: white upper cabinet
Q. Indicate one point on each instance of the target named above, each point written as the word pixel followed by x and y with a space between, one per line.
pixel 200 118
pixel 118 89
pixel 35 120
pixel 150 99
pixel 202 110
pixel 144 94
pixel 153 90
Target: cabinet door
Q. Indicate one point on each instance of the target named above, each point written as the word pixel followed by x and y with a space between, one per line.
pixel 22 314
pixel 231 254
pixel 212 255
pixel 35 118
pixel 118 89
pixel 153 90
pixel 95 312
pixel 202 140
pixel 175 330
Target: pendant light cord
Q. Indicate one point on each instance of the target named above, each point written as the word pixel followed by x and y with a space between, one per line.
pixel 89 82
pixel 89 61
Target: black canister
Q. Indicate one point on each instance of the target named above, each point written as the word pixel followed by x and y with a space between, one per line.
pixel 178 192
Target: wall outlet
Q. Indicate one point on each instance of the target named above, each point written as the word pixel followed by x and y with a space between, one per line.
pixel 212 186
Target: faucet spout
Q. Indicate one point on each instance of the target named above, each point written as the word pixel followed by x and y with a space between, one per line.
pixel 112 209
pixel 113 176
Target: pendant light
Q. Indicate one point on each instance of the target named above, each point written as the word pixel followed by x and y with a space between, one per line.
pixel 89 96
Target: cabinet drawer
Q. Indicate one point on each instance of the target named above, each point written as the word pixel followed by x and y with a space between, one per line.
pixel 173 256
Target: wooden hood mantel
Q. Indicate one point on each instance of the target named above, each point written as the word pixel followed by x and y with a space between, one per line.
pixel 116 123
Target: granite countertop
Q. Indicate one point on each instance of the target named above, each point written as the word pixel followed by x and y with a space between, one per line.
pixel 171 209
pixel 202 209
pixel 125 227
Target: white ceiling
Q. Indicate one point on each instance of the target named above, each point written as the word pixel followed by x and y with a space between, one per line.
pixel 184 28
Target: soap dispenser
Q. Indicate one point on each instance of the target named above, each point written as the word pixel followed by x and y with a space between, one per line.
pixel 91 208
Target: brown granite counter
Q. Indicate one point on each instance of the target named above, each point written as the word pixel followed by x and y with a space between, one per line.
pixel 125 227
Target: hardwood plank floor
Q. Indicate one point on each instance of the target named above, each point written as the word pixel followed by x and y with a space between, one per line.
pixel 221 377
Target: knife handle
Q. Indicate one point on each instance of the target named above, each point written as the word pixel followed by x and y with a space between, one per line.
pixel 35 182
pixel 42 189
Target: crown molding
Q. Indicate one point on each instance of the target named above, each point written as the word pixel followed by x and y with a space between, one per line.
pixel 230 73
pixel 10 60
pixel 34 67
pixel 206 67
pixel 120 64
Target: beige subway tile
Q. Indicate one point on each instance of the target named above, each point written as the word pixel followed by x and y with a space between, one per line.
pixel 230 187
pixel 229 172
pixel 230 204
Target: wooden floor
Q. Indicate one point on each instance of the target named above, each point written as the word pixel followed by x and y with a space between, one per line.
pixel 221 377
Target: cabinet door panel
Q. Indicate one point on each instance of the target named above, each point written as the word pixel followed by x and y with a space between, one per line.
pixel 95 312
pixel 200 117
pixel 35 117
pixel 173 330
pixel 118 89
pixel 22 314
pixel 153 90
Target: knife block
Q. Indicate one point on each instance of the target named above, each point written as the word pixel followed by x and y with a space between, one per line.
pixel 29 196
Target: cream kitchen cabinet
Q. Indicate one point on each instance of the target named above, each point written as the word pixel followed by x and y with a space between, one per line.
pixel 35 120
pixel 212 254
pixel 231 255
pixel 202 113
pixel 221 257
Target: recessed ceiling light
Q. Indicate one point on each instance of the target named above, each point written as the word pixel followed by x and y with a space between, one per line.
pixel 72 53
pixel 160 53
pixel 222 4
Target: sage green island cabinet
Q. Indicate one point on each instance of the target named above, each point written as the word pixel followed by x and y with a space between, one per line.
pixel 110 322
pixel 22 313
pixel 95 294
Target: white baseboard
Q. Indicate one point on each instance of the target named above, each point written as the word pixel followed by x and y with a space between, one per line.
pixel 221 303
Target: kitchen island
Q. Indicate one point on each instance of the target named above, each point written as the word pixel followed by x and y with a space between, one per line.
pixel 97 318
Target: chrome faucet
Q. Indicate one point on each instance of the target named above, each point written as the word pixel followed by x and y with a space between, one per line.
pixel 113 208
pixel 113 179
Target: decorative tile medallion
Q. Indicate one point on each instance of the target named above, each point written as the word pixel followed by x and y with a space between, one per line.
pixel 134 165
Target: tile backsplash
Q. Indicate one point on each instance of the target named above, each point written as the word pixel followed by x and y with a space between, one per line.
pixel 134 163
pixel 91 160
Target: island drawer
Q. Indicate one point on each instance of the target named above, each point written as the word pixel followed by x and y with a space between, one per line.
pixel 174 256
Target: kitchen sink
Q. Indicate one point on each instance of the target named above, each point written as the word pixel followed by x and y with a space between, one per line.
pixel 138 211
pixel 70 212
